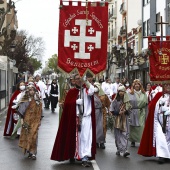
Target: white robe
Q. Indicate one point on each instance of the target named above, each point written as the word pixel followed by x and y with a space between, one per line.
pixel 85 136
pixel 161 140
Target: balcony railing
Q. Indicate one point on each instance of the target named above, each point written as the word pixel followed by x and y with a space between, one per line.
pixel 113 14
pixel 123 8
pixel 112 35
pixel 122 31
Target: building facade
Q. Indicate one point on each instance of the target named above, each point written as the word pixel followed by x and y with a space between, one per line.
pixel 8 71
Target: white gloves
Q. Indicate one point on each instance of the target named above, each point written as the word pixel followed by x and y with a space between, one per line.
pixel 167 113
pixel 165 108
pixel 79 101
pixel 14 106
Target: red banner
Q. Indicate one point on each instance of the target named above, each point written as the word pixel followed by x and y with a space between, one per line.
pixel 83 35
pixel 159 60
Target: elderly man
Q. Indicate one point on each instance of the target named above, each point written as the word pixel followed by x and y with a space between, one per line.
pixel 77 124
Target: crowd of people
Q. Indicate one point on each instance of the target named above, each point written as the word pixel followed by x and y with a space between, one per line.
pixel 141 114
pixel 25 111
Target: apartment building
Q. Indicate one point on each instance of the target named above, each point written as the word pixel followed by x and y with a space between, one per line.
pixel 8 71
pixel 125 23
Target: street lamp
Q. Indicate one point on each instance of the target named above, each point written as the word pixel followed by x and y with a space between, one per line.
pixel 122 61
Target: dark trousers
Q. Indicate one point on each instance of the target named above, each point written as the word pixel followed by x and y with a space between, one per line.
pixel 54 101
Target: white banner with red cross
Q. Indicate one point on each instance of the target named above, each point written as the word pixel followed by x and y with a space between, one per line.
pixel 83 35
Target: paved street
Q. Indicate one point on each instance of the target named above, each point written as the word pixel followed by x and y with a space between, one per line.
pixel 12 158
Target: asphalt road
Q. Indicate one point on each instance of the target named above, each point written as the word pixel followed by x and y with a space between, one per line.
pixel 12 158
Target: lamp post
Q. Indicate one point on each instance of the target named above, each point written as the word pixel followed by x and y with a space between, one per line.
pixel 122 60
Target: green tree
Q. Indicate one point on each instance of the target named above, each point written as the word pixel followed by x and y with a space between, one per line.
pixel 36 64
pixel 53 63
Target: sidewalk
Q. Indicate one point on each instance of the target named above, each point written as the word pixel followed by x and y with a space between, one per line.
pixel 2 112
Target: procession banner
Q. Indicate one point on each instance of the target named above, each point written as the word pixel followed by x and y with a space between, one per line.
pixel 159 59
pixel 83 35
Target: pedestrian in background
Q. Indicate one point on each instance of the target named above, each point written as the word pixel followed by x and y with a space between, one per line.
pixel 30 110
pixel 53 94
pixel 120 108
pixel 138 101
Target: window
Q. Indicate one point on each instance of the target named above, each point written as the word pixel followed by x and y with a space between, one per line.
pixel 2 80
pixel 148 27
pixel 144 29
pixel 158 20
pixel 145 2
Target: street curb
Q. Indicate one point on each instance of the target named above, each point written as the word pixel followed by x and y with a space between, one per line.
pixel 2 112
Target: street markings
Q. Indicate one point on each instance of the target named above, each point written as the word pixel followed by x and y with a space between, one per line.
pixel 95 166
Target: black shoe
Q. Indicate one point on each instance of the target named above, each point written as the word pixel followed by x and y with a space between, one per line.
pixel 132 144
pixel 97 145
pixel 126 154
pixel 118 153
pixel 102 146
pixel 72 160
pixel 30 155
pixel 85 164
pixel 161 160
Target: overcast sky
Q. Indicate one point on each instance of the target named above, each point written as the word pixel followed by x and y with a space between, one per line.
pixel 40 18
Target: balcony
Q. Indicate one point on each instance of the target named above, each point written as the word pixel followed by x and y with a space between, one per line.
pixel 122 31
pixel 123 8
pixel 112 35
pixel 113 14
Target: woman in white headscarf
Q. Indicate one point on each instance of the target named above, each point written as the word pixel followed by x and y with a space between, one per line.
pixel 120 108
pixel 102 105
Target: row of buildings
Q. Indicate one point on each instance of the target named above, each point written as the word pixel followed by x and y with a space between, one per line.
pixel 130 23
pixel 8 71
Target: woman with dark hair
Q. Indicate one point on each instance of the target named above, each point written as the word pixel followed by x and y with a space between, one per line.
pixel 12 116
pixel 120 108
pixel 139 101
pixel 53 94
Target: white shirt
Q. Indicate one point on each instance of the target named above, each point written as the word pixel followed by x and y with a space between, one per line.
pixel 106 88
pixel 42 87
pixel 114 88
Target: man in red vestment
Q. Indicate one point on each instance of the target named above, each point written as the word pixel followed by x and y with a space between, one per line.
pixel 156 135
pixel 76 137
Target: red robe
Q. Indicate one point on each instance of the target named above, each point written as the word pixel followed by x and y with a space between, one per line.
pixel 9 119
pixel 65 142
pixel 146 145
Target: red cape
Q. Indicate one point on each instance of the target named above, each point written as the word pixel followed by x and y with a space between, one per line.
pixel 146 145
pixel 9 119
pixel 65 142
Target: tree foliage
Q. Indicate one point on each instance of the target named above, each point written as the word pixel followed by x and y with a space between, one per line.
pixel 51 66
pixel 53 63
pixel 28 52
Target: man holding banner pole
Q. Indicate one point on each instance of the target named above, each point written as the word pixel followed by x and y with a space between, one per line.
pixel 78 125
